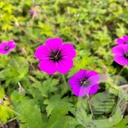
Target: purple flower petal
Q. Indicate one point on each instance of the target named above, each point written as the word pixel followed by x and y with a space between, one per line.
pixel 64 65
pixel 119 49
pixel 93 80
pixel 6 47
pixel 48 66
pixel 93 89
pixel 54 43
pixel 125 38
pixel 12 44
pixel 79 91
pixel 68 51
pixel 2 45
pixel 3 51
pixel 120 59
pixel 82 74
pixel 74 81
pixel 42 52
pixel 121 56
pixel 92 73
pixel 33 12
pixel 76 91
pixel 57 55
pixel 120 41
pixel 125 47
pixel 93 77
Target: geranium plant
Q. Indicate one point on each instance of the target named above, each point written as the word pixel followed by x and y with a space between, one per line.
pixel 63 64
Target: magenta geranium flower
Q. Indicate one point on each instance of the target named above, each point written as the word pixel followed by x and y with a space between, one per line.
pixel 6 47
pixel 121 54
pixel 123 40
pixel 84 82
pixel 55 56
pixel 33 12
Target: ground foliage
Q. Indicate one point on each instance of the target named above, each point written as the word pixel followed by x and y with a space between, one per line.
pixel 46 101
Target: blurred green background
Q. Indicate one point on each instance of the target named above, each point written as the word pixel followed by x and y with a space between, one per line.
pixel 91 25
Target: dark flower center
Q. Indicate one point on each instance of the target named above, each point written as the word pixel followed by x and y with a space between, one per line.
pixel 125 42
pixel 126 55
pixel 85 82
pixel 7 48
pixel 55 56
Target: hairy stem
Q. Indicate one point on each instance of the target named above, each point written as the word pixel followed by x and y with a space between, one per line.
pixel 27 33
pixel 89 102
pixel 12 110
pixel 65 81
pixel 119 75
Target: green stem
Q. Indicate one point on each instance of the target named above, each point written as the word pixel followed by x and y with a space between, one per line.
pixel 119 75
pixel 1 125
pixel 88 97
pixel 27 33
pixel 18 67
pixel 12 110
pixel 65 81
pixel 14 60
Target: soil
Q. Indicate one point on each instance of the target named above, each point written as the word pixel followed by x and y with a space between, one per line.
pixel 12 124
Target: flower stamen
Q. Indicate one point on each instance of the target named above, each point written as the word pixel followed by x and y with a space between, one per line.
pixel 7 48
pixel 55 56
pixel 126 55
pixel 84 82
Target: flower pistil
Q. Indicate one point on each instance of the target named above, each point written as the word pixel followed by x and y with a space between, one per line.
pixel 55 56
pixel 84 82
pixel 126 55
pixel 7 48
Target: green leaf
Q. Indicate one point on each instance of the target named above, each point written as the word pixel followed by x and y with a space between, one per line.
pixel 29 111
pixel 5 109
pixel 122 124
pixel 17 98
pixel 104 104
pixel 5 112
pixel 45 87
pixel 116 117
pixel 108 122
pixel 56 101
pixel 59 118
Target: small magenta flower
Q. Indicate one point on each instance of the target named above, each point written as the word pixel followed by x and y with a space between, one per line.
pixel 121 54
pixel 55 56
pixel 84 82
pixel 6 47
pixel 123 40
pixel 33 12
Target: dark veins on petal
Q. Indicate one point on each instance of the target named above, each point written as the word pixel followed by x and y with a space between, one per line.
pixel 55 56
pixel 126 55
pixel 6 48
pixel 84 82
